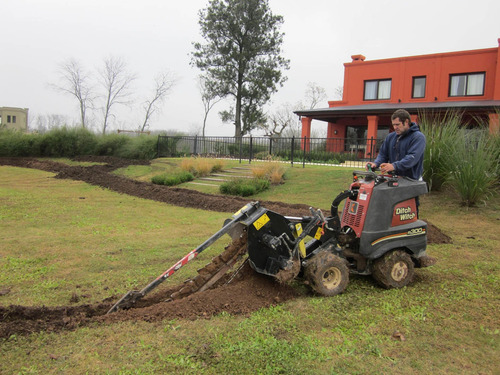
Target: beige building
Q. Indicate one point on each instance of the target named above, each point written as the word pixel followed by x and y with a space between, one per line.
pixel 14 118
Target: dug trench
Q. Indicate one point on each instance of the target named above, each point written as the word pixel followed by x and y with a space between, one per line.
pixel 247 291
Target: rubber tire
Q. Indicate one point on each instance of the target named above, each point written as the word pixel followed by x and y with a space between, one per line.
pixel 395 269
pixel 327 274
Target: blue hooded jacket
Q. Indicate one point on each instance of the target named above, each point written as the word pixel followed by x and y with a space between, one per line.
pixel 405 154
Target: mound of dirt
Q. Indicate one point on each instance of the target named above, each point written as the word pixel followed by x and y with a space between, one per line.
pixel 247 292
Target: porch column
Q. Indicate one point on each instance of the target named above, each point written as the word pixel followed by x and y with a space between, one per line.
pixel 335 137
pixel 494 123
pixel 372 133
pixel 306 132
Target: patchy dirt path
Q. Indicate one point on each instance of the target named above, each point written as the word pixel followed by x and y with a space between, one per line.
pixel 247 292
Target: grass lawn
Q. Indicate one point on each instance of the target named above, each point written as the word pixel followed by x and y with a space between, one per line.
pixel 61 236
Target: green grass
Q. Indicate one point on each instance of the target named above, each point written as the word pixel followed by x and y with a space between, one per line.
pixel 58 236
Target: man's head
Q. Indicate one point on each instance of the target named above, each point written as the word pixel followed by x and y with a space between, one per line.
pixel 401 121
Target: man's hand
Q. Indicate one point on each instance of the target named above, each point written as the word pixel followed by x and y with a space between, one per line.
pixel 386 168
pixel 370 164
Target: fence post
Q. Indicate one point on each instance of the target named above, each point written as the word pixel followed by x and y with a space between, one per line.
pixel 304 156
pixel 251 151
pixel 293 149
pixel 195 144
pixel 158 147
pixel 240 148
pixel 371 148
pixel 270 146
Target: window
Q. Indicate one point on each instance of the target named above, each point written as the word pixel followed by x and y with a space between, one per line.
pixel 378 90
pixel 8 119
pixel 468 84
pixel 418 87
pixel 13 119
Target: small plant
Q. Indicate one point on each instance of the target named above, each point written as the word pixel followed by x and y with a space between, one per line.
pixel 201 167
pixel 172 179
pixel 244 187
pixel 188 165
pixel 217 165
pixel 273 172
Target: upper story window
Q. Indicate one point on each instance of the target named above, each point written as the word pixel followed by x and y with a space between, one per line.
pixel 418 90
pixel 467 84
pixel 378 89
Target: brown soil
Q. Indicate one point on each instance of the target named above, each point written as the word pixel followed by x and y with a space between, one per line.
pixel 247 292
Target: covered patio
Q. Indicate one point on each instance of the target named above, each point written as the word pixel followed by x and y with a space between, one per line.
pixel 372 122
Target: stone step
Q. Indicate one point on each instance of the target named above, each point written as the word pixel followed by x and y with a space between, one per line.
pixel 238 171
pixel 212 179
pixel 201 183
pixel 229 176
pixel 243 168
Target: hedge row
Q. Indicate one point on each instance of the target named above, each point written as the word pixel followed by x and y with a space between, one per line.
pixel 70 142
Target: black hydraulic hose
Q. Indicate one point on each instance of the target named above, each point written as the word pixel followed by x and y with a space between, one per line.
pixel 334 210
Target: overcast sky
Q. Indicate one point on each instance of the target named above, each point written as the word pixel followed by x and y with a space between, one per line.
pixel 156 35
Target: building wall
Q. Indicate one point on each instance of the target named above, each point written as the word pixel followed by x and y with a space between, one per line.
pixel 14 118
pixel 437 69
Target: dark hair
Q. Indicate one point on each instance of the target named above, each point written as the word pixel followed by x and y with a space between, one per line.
pixel 402 115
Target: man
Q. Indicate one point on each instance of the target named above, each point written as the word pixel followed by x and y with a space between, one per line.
pixel 403 153
pixel 403 149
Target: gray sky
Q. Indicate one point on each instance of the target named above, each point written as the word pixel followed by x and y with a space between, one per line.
pixel 155 35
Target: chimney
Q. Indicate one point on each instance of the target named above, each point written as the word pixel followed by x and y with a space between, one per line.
pixel 357 58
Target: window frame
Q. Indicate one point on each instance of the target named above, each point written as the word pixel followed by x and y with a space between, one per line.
pixel 377 88
pixel 413 87
pixel 466 75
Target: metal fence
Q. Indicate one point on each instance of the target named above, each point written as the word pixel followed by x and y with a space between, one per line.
pixel 294 150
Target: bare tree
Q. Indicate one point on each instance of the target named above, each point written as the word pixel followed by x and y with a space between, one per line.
pixel 75 81
pixel 44 123
pixel 282 121
pixel 163 83
pixel 315 94
pixel 208 97
pixel 116 81
pixel 339 92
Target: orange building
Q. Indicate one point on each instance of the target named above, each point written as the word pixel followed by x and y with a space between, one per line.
pixel 468 81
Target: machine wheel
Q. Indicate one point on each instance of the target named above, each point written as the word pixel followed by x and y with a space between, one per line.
pixel 394 269
pixel 327 274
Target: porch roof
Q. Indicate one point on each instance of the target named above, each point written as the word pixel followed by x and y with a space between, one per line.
pixel 332 113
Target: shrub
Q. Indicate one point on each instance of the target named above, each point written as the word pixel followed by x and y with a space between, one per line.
pixel 474 167
pixel 244 187
pixel 70 142
pixel 67 142
pixel 141 147
pixel 110 144
pixel 172 179
pixel 442 133
pixel 15 143
pixel 273 172
pixel 218 165
pixel 202 166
